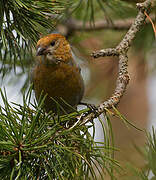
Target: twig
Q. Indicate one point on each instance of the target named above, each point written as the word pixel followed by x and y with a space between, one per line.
pixel 77 25
pixel 121 52
pixel 71 25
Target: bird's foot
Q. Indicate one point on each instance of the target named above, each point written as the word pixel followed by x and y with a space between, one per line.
pixel 92 108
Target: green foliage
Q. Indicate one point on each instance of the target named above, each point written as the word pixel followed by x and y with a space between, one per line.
pixel 34 144
pixel 22 22
pixel 89 10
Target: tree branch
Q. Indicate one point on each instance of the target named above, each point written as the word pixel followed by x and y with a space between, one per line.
pixel 76 25
pixel 121 52
pixel 71 25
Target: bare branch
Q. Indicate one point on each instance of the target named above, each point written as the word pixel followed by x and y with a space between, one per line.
pixel 77 25
pixel 72 25
pixel 121 52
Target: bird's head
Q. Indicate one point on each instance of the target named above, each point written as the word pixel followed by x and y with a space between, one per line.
pixel 54 47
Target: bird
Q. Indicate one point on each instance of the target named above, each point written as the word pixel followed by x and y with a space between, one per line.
pixel 57 75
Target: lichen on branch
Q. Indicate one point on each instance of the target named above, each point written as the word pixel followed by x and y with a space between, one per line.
pixel 121 52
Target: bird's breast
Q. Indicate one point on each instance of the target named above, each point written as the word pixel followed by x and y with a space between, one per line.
pixel 60 81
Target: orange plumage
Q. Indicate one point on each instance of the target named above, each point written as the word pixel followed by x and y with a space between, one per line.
pixel 57 74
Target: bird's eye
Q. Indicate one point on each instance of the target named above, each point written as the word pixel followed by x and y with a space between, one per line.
pixel 52 43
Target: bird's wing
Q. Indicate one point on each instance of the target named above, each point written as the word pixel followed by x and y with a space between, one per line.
pixel 75 61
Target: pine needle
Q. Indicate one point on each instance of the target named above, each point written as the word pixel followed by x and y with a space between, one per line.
pixel 154 27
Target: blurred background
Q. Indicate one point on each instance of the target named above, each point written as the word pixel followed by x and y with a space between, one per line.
pixel 91 26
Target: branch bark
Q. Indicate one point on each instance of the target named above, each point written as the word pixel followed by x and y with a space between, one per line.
pixel 124 24
pixel 76 25
pixel 121 52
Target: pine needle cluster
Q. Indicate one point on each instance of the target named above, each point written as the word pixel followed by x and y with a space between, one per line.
pixel 34 144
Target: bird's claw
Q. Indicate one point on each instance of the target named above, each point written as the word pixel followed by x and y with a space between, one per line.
pixel 92 108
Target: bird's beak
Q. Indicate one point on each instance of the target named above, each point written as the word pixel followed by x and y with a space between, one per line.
pixel 40 51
